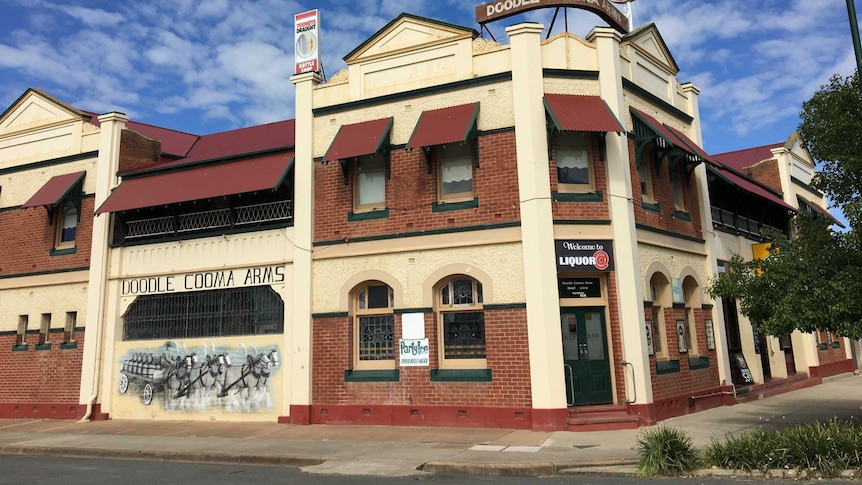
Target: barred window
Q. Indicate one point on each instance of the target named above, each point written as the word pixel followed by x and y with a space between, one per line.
pixel 374 327
pixel 257 310
pixel 461 321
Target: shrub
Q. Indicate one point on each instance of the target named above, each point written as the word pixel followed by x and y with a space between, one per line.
pixel 665 452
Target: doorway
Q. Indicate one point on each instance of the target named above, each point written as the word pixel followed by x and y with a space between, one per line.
pixel 585 356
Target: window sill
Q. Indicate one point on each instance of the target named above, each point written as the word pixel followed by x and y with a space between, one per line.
pixel 368 215
pixel 384 375
pixel 455 206
pixel 45 346
pixel 652 207
pixel 597 196
pixel 666 366
pixel 19 348
pixel 68 345
pixel 63 252
pixel 682 215
pixel 460 375
pixel 698 362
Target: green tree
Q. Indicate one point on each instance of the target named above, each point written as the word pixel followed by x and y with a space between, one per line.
pixel 814 281
pixel 831 129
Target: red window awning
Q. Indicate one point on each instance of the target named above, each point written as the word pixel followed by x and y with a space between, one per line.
pixel 199 183
pixel 359 139
pixel 445 125
pixel 820 210
pixel 581 113
pixel 734 178
pixel 55 190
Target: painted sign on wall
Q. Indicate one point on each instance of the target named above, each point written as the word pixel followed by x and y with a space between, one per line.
pixel 181 379
pixel 204 280
pixel 584 255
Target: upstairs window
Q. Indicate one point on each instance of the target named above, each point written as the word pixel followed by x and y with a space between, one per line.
pixel 370 183
pixel 455 175
pixel 645 175
pixel 677 181
pixel 575 172
pixel 67 225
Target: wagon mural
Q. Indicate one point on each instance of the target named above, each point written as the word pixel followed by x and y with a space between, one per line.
pixel 232 379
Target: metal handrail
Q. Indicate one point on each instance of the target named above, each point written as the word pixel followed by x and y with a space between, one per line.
pixel 634 383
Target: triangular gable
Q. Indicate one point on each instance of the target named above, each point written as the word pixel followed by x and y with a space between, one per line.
pixel 649 41
pixel 795 146
pixel 408 32
pixel 37 108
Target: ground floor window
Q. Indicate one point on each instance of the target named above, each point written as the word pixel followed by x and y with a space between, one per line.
pixel 256 310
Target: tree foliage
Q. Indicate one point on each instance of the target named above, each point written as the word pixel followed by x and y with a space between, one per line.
pixel 813 282
pixel 831 130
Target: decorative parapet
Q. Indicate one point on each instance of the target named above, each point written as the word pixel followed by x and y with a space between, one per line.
pixel 483 45
pixel 340 77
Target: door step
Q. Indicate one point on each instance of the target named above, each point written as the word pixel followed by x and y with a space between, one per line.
pixel 601 418
pixel 775 387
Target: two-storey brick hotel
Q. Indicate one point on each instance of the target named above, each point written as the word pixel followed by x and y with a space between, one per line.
pixel 451 232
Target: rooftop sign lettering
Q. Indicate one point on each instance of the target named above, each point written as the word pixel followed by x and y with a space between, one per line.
pixel 499 9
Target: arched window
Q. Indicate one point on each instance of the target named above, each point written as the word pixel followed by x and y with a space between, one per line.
pixel 374 326
pixel 461 324
pixel 660 294
pixel 692 294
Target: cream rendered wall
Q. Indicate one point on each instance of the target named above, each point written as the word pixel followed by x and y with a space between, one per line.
pixel 18 187
pixel 490 57
pixel 411 269
pixel 45 296
pixel 674 259
pixel 568 51
pixel 557 85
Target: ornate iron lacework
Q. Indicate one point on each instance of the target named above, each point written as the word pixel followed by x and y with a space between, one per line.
pixel 464 335
pixel 213 219
pixel 257 310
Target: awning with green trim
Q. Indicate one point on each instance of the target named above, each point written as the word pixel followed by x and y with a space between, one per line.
pixel 202 182
pixel 647 129
pixel 55 190
pixel 803 202
pixel 570 112
pixel 359 139
pixel 446 125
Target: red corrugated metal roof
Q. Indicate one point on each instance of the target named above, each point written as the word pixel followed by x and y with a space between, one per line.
pixel 689 142
pixel 662 130
pixel 445 125
pixel 819 210
pixel 744 183
pixel 359 139
pixel 199 183
pixel 54 190
pixel 175 143
pixel 581 113
pixel 740 159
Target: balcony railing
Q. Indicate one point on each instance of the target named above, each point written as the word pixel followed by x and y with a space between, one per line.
pixel 723 219
pixel 280 211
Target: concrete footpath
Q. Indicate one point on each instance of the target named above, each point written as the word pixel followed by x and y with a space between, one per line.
pixel 405 451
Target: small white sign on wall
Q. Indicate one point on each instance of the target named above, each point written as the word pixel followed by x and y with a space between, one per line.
pixel 414 352
pixel 412 326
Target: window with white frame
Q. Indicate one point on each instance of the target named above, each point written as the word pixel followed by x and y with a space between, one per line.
pixel 645 175
pixel 455 173
pixel 374 326
pixel 660 294
pixel 693 298
pixel 461 324
pixel 370 183
pixel 67 224
pixel 575 171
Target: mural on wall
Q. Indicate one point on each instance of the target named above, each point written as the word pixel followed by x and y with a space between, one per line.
pixel 232 379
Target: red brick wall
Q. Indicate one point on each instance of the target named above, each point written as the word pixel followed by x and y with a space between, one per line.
pixel 28 239
pixel 686 381
pixel 40 376
pixel 137 151
pixel 663 194
pixel 507 357
pixel 583 210
pixel 411 191
pixel 831 354
pixel 766 173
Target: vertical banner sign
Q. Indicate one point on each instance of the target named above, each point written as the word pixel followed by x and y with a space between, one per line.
pixel 306 41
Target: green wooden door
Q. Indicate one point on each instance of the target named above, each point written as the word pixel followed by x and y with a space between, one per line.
pixel 585 355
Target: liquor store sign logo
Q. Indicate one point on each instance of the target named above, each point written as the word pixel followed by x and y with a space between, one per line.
pixel 584 255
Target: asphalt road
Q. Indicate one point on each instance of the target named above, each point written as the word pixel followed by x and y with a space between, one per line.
pixel 48 470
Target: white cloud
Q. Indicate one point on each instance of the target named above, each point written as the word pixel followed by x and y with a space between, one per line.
pixel 93 17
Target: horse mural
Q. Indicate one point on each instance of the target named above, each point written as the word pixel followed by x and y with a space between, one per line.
pixel 230 379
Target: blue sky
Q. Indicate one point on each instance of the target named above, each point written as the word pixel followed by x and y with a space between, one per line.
pixel 213 65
